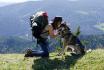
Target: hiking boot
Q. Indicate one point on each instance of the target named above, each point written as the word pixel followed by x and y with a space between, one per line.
pixel 28 53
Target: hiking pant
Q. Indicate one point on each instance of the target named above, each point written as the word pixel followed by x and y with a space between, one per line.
pixel 44 46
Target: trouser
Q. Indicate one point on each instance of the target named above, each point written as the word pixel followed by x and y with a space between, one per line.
pixel 44 46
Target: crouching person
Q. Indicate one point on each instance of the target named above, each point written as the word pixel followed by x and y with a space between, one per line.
pixel 39 21
pixel 41 29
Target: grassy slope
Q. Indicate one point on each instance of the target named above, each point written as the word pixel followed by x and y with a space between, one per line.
pixel 90 61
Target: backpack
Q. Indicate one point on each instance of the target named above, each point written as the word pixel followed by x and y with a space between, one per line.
pixel 38 22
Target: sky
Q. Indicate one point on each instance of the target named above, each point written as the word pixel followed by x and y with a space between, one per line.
pixel 8 2
pixel 15 1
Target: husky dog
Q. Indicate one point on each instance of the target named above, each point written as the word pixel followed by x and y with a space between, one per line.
pixel 69 40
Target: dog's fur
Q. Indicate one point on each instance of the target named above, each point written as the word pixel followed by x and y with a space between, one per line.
pixel 69 40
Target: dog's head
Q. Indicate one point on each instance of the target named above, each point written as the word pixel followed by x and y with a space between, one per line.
pixel 63 30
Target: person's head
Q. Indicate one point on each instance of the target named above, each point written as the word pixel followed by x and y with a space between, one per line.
pixel 41 13
pixel 43 16
pixel 56 22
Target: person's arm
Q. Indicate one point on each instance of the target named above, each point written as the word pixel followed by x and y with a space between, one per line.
pixel 51 32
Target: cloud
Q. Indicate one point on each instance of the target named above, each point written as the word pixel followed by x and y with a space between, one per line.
pixel 16 1
pixel 12 1
pixel 82 12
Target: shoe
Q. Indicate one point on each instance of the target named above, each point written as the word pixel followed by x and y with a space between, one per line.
pixel 28 53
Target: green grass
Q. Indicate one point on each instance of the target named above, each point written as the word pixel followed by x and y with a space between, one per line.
pixel 90 61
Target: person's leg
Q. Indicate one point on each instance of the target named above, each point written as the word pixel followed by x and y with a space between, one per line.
pixel 44 46
pixel 32 53
pixel 44 53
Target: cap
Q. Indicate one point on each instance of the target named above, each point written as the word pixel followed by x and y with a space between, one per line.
pixel 45 14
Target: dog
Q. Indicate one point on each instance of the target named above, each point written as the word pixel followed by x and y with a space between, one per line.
pixel 70 41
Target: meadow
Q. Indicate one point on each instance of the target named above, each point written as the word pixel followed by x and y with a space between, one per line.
pixel 93 60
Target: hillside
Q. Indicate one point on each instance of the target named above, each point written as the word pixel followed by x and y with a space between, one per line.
pixel 90 61
pixel 82 12
pixel 15 44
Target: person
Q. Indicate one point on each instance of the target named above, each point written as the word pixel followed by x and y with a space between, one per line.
pixel 49 30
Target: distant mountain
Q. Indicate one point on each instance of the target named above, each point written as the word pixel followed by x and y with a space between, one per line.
pixel 14 19
pixel 15 44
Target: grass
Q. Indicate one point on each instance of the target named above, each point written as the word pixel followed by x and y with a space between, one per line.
pixel 90 61
pixel 14 62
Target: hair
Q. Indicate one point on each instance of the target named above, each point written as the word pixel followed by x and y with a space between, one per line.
pixel 55 22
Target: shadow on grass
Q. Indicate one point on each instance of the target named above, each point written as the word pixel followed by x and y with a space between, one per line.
pixel 55 64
